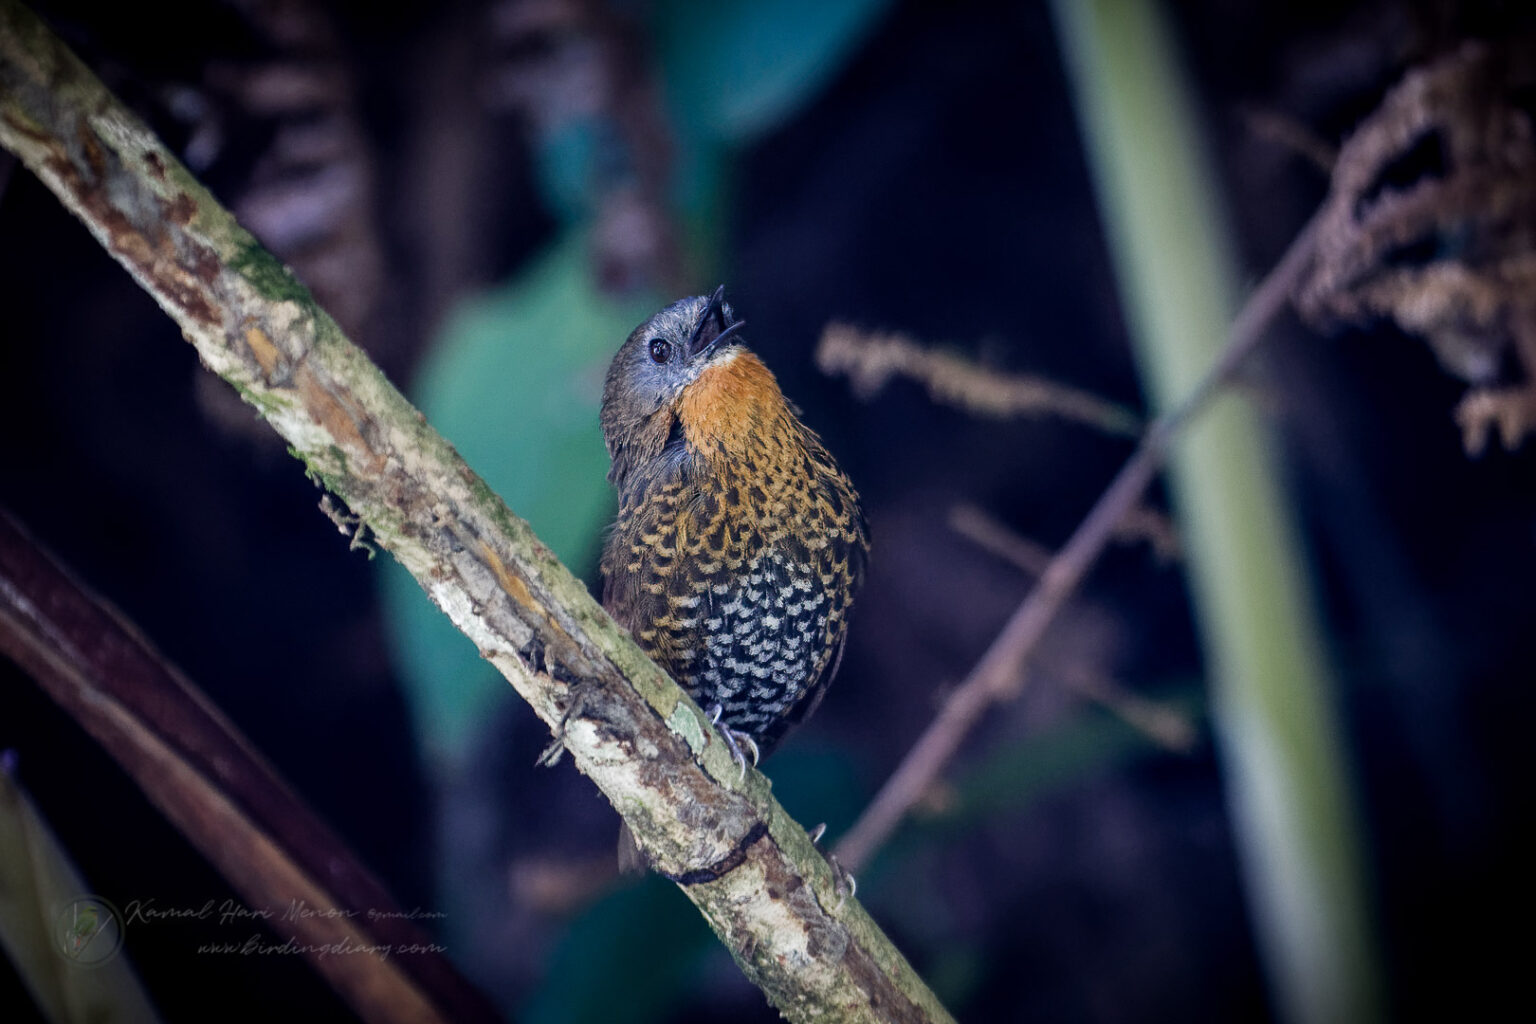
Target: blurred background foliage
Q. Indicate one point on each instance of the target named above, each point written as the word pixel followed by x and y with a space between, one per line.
pixel 515 381
pixel 490 194
pixel 514 376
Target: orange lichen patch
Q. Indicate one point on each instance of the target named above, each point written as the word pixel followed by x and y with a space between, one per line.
pixel 329 411
pixel 267 355
pixel 729 402
pixel 517 590
pixel 558 646
pixel 513 587
pixel 181 209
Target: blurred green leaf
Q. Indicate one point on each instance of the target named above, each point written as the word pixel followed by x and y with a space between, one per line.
pixel 63 942
pixel 569 161
pixel 629 958
pixel 515 382
pixel 738 68
pixel 817 783
pixel 957 971
pixel 1013 776
pixel 1080 747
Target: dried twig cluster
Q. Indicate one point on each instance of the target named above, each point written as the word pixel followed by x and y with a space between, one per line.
pixel 1431 222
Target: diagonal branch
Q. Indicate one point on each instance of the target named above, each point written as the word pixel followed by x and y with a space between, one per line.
pixel 1000 673
pixel 751 870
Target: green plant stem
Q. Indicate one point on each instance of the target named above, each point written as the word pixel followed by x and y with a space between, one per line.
pixel 1272 690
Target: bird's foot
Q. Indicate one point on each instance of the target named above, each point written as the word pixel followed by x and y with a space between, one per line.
pixel 734 741
pixel 551 755
pixel 844 884
pixel 576 703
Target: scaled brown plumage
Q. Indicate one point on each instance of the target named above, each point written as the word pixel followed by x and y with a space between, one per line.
pixel 739 543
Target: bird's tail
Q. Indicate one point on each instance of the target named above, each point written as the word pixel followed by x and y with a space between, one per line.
pixel 632 859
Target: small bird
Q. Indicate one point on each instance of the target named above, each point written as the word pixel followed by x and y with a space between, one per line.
pixel 739 543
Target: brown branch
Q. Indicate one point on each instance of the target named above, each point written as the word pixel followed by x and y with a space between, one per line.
pixel 1000 673
pixel 1161 724
pixel 211 783
pixel 749 868
pixel 993 537
pixel 1139 524
pixel 870 359
pixel 1291 134
pixel 1164 726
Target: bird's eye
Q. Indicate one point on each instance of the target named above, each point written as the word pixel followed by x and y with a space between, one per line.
pixel 661 350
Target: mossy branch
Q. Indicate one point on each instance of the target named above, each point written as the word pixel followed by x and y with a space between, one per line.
pixel 751 870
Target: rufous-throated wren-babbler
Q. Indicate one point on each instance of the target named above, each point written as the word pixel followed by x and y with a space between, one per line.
pixel 739 543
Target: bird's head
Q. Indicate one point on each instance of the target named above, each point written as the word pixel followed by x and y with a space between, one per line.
pixel 653 369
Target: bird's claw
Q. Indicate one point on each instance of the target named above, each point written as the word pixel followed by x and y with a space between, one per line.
pixel 734 741
pixel 844 884
pixel 550 755
pixel 576 704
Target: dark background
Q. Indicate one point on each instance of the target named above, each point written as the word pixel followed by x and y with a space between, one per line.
pixel 935 185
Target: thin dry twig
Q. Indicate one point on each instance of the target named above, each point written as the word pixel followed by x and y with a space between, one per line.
pixel 1145 523
pixel 871 358
pixel 1000 673
pixel 1164 726
pixel 1283 130
pixel 981 529
pixel 1140 524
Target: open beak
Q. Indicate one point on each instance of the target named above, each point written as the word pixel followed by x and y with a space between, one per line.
pixel 711 329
